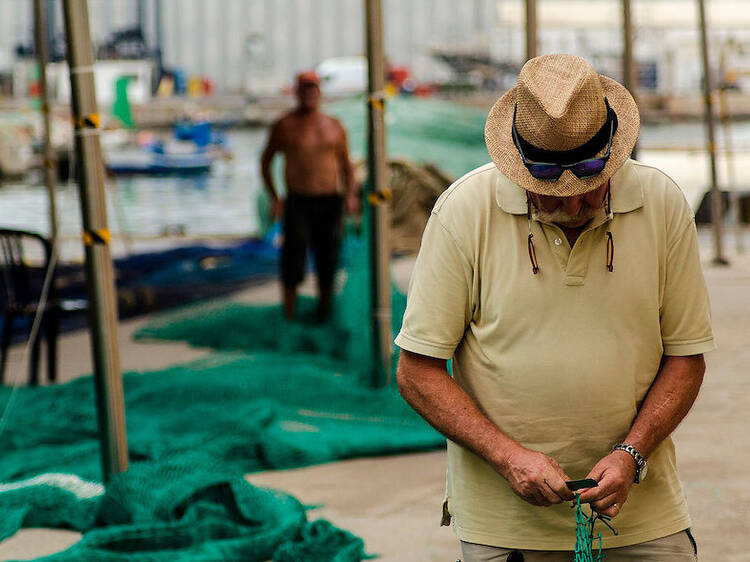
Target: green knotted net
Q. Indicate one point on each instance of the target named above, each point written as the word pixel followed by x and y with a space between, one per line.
pixel 273 395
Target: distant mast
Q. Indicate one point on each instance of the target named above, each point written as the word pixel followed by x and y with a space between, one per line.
pixel 49 162
pixel 716 202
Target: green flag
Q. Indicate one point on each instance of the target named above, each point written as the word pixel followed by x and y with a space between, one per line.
pixel 121 108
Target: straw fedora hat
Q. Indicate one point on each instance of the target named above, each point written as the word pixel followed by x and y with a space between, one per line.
pixel 559 103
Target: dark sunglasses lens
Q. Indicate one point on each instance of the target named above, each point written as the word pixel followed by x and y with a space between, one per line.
pixel 589 168
pixel 545 171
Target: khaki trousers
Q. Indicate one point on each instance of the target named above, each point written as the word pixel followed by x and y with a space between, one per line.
pixel 679 547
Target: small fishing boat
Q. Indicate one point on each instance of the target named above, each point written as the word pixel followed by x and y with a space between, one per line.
pixel 160 159
pixel 191 150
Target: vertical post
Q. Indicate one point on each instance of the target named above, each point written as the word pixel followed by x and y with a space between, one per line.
pixel 99 274
pixel 628 68
pixel 378 193
pixel 49 165
pixel 159 41
pixel 140 16
pixel 716 203
pixel 50 28
pixel 531 42
pixel 724 113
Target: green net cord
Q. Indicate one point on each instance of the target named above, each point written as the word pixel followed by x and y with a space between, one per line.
pixel 585 535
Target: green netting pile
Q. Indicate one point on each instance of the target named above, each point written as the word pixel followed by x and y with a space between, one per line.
pixel 446 134
pixel 193 431
pixel 234 326
pixel 274 395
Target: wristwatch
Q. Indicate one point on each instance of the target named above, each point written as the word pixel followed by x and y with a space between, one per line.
pixel 641 466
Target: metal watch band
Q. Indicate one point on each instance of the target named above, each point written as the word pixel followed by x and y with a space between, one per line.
pixel 640 460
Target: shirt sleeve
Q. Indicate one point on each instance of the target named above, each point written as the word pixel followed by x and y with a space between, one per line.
pixel 685 312
pixel 439 302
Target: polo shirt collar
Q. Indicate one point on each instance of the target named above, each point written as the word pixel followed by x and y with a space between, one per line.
pixel 625 188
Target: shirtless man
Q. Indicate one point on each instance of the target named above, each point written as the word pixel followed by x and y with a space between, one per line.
pixel 319 180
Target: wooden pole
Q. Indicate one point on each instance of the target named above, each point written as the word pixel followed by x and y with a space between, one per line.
pixel 51 25
pixel 99 273
pixel 531 41
pixel 716 203
pixel 378 194
pixel 140 15
pixel 628 68
pixel 724 113
pixel 49 162
pixel 159 34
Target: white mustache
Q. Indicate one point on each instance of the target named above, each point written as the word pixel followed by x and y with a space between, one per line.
pixel 560 216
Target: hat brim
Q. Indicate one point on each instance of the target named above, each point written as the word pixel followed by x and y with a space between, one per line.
pixel 499 138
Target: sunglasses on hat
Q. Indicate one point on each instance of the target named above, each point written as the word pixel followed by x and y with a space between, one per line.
pixel 549 171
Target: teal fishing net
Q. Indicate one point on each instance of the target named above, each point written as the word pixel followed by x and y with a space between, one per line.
pixel 345 339
pixel 273 395
pixel 192 429
pixel 588 547
pixel 446 134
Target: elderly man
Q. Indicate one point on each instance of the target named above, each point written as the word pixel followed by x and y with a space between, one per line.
pixel 570 360
pixel 319 180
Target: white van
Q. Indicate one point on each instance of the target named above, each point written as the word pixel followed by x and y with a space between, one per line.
pixel 343 76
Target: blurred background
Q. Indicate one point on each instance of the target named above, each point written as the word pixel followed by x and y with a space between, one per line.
pixel 186 91
pixel 231 63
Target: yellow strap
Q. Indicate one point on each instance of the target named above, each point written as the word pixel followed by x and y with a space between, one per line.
pixel 90 121
pixel 378 197
pixel 101 236
pixel 377 100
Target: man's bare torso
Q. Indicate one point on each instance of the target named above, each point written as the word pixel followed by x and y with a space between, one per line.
pixel 311 144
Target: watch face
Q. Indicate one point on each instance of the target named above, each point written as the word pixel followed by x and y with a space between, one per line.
pixel 644 471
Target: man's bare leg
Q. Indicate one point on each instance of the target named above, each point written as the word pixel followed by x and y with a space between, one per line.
pixel 290 299
pixel 325 296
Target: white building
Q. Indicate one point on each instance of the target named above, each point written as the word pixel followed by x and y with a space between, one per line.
pixel 106 73
pixel 666 43
pixel 263 43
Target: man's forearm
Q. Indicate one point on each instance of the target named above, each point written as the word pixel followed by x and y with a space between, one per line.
pixel 426 386
pixel 348 177
pixel 268 180
pixel 429 389
pixel 668 401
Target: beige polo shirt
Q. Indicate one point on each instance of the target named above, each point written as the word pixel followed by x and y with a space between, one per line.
pixel 560 361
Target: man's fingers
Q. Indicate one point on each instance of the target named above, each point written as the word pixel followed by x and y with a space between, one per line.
pixel 609 506
pixel 544 497
pixel 559 488
pixel 549 494
pixel 557 483
pixel 605 488
pixel 604 503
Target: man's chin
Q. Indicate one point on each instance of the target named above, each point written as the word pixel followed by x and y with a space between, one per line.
pixel 574 224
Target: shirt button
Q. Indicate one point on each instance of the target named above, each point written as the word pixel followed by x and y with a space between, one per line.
pixel 558 241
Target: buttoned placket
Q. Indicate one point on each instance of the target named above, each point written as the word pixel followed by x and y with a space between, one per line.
pixel 575 261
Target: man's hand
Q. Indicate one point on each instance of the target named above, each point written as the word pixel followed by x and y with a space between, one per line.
pixel 277 209
pixel 536 477
pixel 615 474
pixel 352 203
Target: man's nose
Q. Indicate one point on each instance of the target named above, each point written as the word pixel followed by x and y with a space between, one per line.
pixel 572 205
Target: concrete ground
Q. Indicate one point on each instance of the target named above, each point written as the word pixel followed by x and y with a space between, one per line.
pixel 394 502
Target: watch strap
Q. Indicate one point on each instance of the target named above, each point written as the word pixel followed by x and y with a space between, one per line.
pixel 640 460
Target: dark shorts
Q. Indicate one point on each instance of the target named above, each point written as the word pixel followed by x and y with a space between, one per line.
pixel 315 223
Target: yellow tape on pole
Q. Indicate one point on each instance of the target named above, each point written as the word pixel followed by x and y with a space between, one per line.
pixel 101 236
pixel 90 121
